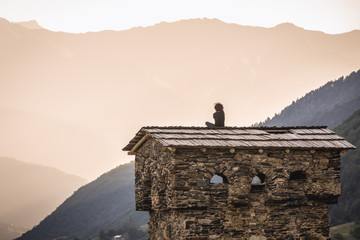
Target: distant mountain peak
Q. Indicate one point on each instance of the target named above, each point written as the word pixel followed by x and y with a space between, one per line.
pixel 287 26
pixel 32 24
pixel 3 20
pixel 190 21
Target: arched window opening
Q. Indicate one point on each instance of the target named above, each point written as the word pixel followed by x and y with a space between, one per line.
pixel 218 178
pixel 257 183
pixel 258 179
pixel 297 175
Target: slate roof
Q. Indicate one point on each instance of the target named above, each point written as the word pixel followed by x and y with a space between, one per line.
pixel 241 137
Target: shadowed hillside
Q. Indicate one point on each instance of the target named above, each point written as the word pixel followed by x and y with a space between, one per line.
pixel 106 203
pixel 348 208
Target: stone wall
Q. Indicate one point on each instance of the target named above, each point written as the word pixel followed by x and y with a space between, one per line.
pixel 289 203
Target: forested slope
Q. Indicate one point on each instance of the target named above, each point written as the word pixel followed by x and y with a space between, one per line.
pixel 328 105
pixel 348 208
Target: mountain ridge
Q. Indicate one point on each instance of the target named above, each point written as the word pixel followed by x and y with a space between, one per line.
pixel 33 24
pixel 329 104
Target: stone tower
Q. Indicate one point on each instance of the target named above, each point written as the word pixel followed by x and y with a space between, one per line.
pixel 237 183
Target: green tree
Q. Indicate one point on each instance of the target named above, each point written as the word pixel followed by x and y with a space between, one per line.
pixel 338 236
pixel 102 234
pixel 111 233
pixel 356 232
pixel 355 210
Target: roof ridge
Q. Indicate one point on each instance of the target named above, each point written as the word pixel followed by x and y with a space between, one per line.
pixel 263 140
pixel 304 137
pixel 234 127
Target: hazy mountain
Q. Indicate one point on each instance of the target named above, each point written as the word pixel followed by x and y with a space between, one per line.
pixel 29 192
pixel 9 232
pixel 52 141
pixel 328 105
pixel 348 208
pixel 103 204
pixel 114 82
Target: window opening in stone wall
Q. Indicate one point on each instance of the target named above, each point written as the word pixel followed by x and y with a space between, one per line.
pixel 218 178
pixel 258 179
pixel 257 182
pixel 297 175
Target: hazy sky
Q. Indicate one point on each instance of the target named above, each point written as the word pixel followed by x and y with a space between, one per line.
pixel 70 113
pixel 330 16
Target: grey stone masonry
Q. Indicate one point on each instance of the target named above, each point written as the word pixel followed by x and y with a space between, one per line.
pixel 259 192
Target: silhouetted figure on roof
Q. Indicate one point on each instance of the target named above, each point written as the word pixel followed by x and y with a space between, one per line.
pixel 219 116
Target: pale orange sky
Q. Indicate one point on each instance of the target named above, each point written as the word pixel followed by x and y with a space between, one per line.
pixel 330 16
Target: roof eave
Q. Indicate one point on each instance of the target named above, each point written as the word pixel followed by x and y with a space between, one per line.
pixel 134 141
pixel 260 147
